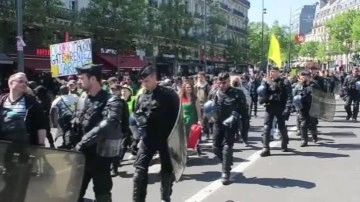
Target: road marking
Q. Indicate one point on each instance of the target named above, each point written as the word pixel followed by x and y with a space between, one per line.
pixel 216 185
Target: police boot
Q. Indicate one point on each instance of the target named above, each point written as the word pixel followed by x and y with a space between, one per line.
pixel 348 111
pixel 304 137
pixel 140 185
pixel 167 180
pixel 225 178
pixel 314 135
pixel 284 139
pixel 103 198
pixel 226 164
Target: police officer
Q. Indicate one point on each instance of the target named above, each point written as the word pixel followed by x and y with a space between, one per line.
pixel 352 94
pixel 99 130
pixel 155 112
pixel 277 100
pixel 244 121
pixel 302 103
pixel 230 105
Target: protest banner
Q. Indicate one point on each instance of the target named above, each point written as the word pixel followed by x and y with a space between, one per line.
pixel 66 57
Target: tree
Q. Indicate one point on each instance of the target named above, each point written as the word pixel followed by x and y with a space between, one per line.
pixel 236 51
pixel 39 21
pixel 340 30
pixel 175 23
pixel 216 24
pixel 309 49
pixel 321 53
pixel 114 23
pixel 255 43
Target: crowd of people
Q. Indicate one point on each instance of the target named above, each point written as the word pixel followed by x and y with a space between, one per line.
pixel 104 119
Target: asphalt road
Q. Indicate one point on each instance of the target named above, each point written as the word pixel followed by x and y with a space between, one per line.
pixel 326 171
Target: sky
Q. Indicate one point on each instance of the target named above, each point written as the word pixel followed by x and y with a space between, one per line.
pixel 276 10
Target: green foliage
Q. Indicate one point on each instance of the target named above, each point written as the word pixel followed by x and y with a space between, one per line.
pixel 114 23
pixel 175 23
pixel 321 51
pixel 288 47
pixel 309 49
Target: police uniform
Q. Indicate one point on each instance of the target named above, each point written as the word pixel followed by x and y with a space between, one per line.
pixel 277 100
pixel 230 105
pixel 352 96
pixel 302 102
pixel 98 135
pixel 155 113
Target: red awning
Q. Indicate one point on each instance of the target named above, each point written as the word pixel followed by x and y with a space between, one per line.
pixel 122 62
pixel 35 63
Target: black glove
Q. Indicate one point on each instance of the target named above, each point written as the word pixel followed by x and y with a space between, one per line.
pixel 232 120
pixel 286 114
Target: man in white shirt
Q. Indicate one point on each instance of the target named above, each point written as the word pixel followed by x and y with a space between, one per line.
pixel 62 110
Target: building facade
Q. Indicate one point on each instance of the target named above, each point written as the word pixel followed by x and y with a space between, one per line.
pixel 302 19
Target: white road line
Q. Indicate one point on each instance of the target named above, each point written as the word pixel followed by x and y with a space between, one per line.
pixel 216 185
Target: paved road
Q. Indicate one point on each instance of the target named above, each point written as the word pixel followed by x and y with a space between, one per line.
pixel 327 171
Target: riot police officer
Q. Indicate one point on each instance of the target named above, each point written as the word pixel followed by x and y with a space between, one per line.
pixel 97 132
pixel 302 102
pixel 155 112
pixel 230 104
pixel 352 94
pixel 277 99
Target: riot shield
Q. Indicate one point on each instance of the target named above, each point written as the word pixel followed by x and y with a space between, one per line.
pixel 177 146
pixel 323 105
pixel 34 174
pixel 337 88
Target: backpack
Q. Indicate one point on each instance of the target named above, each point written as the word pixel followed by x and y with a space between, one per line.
pixel 202 93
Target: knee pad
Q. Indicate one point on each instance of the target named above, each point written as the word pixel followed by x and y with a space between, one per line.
pixel 140 175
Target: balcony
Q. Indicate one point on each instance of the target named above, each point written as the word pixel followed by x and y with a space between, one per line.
pixel 224 6
pixel 238 13
pixel 245 2
pixel 237 29
pixel 65 13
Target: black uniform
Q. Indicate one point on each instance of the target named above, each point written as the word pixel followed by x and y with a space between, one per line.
pixel 277 101
pixel 98 134
pixel 351 96
pixel 254 96
pixel 156 113
pixel 306 122
pixel 230 104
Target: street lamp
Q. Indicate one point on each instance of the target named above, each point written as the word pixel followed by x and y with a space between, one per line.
pixel 262 33
pixel 19 38
pixel 205 35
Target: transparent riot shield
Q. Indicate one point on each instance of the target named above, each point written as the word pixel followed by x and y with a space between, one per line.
pixel 177 146
pixel 337 88
pixel 323 105
pixel 35 174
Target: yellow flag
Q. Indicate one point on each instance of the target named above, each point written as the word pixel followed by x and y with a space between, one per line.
pixel 274 51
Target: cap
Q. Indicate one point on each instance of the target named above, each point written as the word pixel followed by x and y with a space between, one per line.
pixel 127 87
pixel 92 69
pixel 72 82
pixel 146 71
pixel 273 68
pixel 305 73
pixel 115 87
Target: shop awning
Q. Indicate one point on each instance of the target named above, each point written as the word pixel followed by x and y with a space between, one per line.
pixel 122 62
pixel 5 60
pixel 35 63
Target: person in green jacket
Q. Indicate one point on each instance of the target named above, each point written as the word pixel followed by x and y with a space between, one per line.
pixel 127 95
